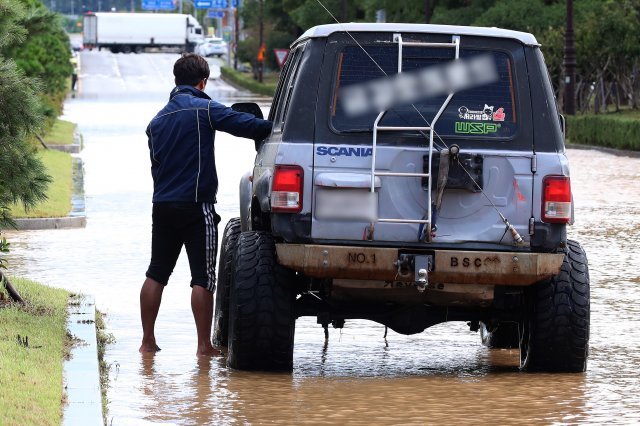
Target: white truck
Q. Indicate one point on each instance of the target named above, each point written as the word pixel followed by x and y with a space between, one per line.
pixel 127 32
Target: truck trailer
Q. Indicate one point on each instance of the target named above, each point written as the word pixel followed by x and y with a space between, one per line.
pixel 132 32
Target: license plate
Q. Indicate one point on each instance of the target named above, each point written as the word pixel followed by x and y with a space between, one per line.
pixel 346 204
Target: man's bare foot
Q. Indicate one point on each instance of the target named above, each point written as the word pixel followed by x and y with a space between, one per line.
pixel 208 351
pixel 148 347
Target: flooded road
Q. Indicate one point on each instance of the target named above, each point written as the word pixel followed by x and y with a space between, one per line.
pixel 443 375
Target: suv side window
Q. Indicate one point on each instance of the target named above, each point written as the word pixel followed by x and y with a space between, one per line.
pixel 484 111
pixel 283 95
pixel 277 98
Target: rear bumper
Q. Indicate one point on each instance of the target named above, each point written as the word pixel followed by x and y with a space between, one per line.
pixel 449 266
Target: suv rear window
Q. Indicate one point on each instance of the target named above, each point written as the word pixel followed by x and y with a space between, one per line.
pixel 483 111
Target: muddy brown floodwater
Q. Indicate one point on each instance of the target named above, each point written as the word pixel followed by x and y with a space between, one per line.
pixel 443 375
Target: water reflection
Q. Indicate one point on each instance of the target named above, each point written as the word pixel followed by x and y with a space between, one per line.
pixel 215 395
pixel 443 375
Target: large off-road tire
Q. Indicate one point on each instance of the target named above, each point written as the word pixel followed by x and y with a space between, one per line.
pixel 226 272
pixel 556 325
pixel 262 317
pixel 505 336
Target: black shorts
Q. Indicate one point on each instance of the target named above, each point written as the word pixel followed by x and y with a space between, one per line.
pixel 194 225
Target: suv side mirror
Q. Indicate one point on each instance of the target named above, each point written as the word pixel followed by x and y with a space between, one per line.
pixel 249 107
pixel 563 126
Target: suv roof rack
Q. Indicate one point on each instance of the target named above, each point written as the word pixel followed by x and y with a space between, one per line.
pixel 327 30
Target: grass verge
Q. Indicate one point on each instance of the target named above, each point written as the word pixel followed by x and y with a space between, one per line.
pixel 61 133
pixel 58 204
pixel 612 130
pixel 33 344
pixel 246 81
pixel 104 339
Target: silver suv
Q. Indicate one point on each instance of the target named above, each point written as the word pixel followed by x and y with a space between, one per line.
pixel 416 174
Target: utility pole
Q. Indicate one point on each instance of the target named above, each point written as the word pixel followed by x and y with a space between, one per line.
pixel 261 43
pixel 427 11
pixel 569 63
pixel 344 11
pixel 231 21
pixel 236 28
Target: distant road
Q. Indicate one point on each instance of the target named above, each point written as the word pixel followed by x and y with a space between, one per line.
pixel 105 75
pixel 145 72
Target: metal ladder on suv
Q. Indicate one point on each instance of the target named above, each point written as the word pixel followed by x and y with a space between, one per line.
pixel 426 221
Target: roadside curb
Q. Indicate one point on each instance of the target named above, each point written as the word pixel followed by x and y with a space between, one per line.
pixel 258 91
pixel 614 151
pixel 76 219
pixel 236 85
pixel 73 148
pixel 33 224
pixel 82 371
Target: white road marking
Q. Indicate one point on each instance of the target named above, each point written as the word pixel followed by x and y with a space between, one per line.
pixel 116 70
pixel 163 75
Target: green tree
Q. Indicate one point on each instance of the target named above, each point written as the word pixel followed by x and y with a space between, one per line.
pixel 280 28
pixel 607 48
pixel 606 32
pixel 543 18
pixel 310 13
pixel 23 177
pixel 608 53
pixel 44 54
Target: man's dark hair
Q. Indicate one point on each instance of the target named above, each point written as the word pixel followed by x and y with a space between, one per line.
pixel 190 69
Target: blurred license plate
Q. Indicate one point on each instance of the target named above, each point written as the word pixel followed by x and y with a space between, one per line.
pixel 346 204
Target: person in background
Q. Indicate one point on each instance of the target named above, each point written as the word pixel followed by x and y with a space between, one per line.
pixel 74 72
pixel 181 140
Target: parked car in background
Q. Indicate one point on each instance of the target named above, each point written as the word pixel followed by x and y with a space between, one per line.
pixel 212 46
pixel 76 44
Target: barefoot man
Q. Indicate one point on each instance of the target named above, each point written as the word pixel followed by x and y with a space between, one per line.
pixel 185 182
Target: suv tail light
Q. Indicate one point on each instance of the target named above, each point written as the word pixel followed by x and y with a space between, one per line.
pixel 556 199
pixel 286 192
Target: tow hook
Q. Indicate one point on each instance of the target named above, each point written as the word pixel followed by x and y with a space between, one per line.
pixel 422 269
pixel 422 279
pixel 421 265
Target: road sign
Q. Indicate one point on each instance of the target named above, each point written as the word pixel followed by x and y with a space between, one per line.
pixel 281 56
pixel 221 4
pixel 158 5
pixel 261 53
pixel 226 33
pixel 215 14
pixel 203 4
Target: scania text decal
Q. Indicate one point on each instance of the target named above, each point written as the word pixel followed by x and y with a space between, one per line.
pixel 344 151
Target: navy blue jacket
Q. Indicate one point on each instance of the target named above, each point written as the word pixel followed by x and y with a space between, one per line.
pixel 181 144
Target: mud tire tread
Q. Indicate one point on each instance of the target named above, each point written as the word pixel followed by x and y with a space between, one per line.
pixel 559 317
pixel 262 320
pixel 226 271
